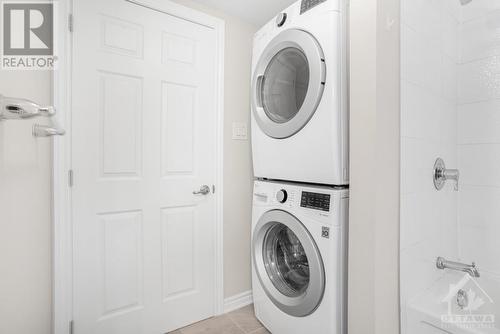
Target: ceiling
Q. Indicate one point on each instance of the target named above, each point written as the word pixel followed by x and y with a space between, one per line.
pixel 257 12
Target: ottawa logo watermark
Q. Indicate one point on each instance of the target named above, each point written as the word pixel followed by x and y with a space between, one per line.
pixel 28 35
pixel 468 305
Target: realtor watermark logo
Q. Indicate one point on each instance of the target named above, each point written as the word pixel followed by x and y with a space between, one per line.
pixel 468 306
pixel 28 35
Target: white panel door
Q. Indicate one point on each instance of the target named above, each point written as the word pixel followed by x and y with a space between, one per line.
pixel 144 138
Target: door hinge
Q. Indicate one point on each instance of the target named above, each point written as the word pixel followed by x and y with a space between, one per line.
pixel 71 327
pixel 70 22
pixel 70 178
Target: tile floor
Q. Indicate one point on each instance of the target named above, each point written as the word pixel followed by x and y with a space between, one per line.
pixel 241 321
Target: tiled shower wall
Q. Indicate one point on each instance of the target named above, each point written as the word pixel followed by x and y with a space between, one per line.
pixel 479 136
pixel 429 68
pixel 450 108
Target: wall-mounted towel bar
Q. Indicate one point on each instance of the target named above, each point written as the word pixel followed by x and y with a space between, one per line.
pixel 14 108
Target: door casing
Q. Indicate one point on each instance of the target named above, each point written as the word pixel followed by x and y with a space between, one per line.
pixel 62 286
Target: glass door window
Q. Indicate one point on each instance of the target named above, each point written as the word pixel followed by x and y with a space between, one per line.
pixel 288 263
pixel 288 83
pixel 285 84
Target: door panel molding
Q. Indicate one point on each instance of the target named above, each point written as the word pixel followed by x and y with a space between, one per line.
pixel 62 166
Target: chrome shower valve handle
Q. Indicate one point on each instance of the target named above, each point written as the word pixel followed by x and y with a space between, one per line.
pixel 441 175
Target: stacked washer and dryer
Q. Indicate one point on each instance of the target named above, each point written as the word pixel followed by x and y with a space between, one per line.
pixel 300 156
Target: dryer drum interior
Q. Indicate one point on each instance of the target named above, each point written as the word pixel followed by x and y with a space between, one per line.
pixel 284 85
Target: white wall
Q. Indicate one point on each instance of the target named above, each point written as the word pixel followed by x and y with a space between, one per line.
pixel 25 213
pixel 429 65
pixel 374 186
pixel 362 148
pixel 479 136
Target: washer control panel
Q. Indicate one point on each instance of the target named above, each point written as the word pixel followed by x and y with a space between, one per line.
pixel 305 5
pixel 315 201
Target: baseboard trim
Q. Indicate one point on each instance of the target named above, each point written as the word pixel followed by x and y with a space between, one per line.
pixel 238 301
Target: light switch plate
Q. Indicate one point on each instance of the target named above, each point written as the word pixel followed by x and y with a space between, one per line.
pixel 240 131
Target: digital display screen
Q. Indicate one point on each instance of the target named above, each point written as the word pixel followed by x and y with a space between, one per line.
pixel 308 4
pixel 315 201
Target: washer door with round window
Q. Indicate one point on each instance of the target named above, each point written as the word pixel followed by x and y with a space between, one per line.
pixel 288 83
pixel 288 263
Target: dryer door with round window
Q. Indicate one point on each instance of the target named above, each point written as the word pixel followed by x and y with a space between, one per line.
pixel 288 263
pixel 288 83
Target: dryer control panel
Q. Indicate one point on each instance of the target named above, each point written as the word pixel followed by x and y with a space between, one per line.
pixel 305 5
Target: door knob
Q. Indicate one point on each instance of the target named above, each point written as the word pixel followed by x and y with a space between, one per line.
pixel 204 190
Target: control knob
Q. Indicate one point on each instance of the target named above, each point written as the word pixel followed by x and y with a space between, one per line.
pixel 281 196
pixel 281 19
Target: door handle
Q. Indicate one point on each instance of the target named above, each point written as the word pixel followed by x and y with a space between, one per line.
pixel 258 90
pixel 204 190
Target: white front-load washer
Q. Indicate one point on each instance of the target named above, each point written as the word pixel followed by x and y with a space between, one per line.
pixel 299 95
pixel 299 257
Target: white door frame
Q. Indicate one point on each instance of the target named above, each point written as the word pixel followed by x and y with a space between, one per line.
pixel 62 211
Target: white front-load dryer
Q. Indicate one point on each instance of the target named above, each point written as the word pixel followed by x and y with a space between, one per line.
pixel 299 95
pixel 299 256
